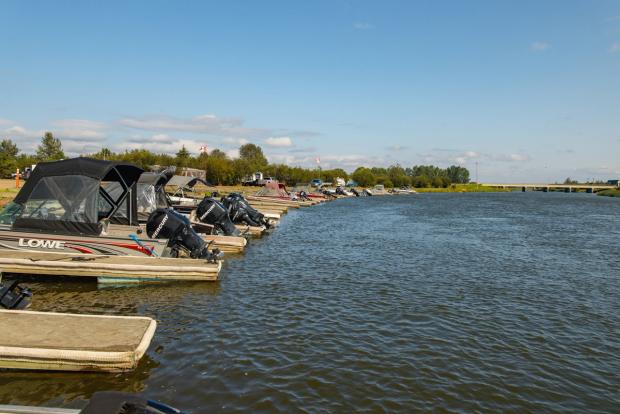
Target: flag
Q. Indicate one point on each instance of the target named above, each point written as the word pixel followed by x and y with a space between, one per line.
pixel 204 149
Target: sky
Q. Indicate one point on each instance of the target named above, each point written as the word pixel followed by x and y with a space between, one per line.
pixel 528 91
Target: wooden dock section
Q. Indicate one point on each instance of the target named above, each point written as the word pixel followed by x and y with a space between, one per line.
pixel 68 342
pixel 125 268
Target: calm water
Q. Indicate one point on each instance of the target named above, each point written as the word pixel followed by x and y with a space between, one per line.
pixel 438 302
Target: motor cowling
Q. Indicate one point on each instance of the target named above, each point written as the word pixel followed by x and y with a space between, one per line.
pixel 14 296
pixel 168 224
pixel 240 211
pixel 211 211
pixel 355 192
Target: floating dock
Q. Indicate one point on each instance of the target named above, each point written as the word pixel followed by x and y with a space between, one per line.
pixel 69 342
pixel 126 268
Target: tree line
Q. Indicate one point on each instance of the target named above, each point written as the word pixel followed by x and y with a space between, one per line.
pixel 223 170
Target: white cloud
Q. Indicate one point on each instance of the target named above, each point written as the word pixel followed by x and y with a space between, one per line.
pixel 232 153
pixel 511 157
pixel 161 143
pixel 397 148
pixel 204 124
pixel 539 46
pixel 79 129
pixel 363 25
pixel 614 48
pixel 279 142
pixel 16 130
pixel 235 141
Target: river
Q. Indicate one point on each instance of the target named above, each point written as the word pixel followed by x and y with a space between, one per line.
pixel 488 302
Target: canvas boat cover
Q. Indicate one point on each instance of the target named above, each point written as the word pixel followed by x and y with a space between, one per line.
pixel 273 189
pixel 69 342
pixel 72 196
pixel 181 181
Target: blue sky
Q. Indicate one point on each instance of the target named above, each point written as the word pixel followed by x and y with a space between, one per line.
pixel 529 90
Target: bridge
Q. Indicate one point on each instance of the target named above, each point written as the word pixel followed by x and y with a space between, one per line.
pixel 567 188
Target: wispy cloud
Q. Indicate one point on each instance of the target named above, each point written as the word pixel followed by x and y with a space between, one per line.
pixel 363 26
pixel 304 150
pixel 279 142
pixel 4 121
pixel 614 48
pixel 80 129
pixel 205 124
pixel 539 46
pixel 396 148
pixel 613 18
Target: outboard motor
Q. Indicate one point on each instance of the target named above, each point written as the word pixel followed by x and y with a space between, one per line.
pixel 14 296
pixel 354 191
pixel 240 211
pixel 212 212
pixel 366 192
pixel 340 190
pixel 303 196
pixel 165 223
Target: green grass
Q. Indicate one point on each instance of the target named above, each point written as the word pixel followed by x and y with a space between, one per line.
pixel 464 188
pixel 609 193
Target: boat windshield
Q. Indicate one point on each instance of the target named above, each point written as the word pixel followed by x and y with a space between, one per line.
pixel 66 198
pixel 10 212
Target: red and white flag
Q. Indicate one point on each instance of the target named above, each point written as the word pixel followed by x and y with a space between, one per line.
pixel 204 149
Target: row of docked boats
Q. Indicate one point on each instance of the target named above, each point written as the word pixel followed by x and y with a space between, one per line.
pixel 87 217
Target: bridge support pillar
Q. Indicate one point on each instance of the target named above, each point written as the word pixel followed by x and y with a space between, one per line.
pixel 523 189
pixel 545 189
pixel 590 190
pixel 567 190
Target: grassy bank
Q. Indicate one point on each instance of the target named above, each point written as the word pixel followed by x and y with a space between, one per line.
pixel 464 188
pixel 609 193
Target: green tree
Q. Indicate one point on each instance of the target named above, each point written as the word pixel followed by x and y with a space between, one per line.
pixel 103 154
pixel 50 148
pixel 182 157
pixel 253 154
pixel 8 158
pixel 217 153
pixel 457 174
pixel 364 177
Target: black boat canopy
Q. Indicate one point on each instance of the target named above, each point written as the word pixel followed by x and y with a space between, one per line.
pixel 74 196
pixel 89 167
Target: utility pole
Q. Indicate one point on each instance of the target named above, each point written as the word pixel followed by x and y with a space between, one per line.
pixel 477 182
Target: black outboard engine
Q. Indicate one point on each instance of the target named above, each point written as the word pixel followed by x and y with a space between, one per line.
pixel 240 211
pixel 354 191
pixel 366 192
pixel 303 196
pixel 340 190
pixel 166 223
pixel 212 212
pixel 14 296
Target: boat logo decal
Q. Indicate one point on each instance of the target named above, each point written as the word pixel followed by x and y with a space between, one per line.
pixel 47 244
pixel 161 226
pixel 207 212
